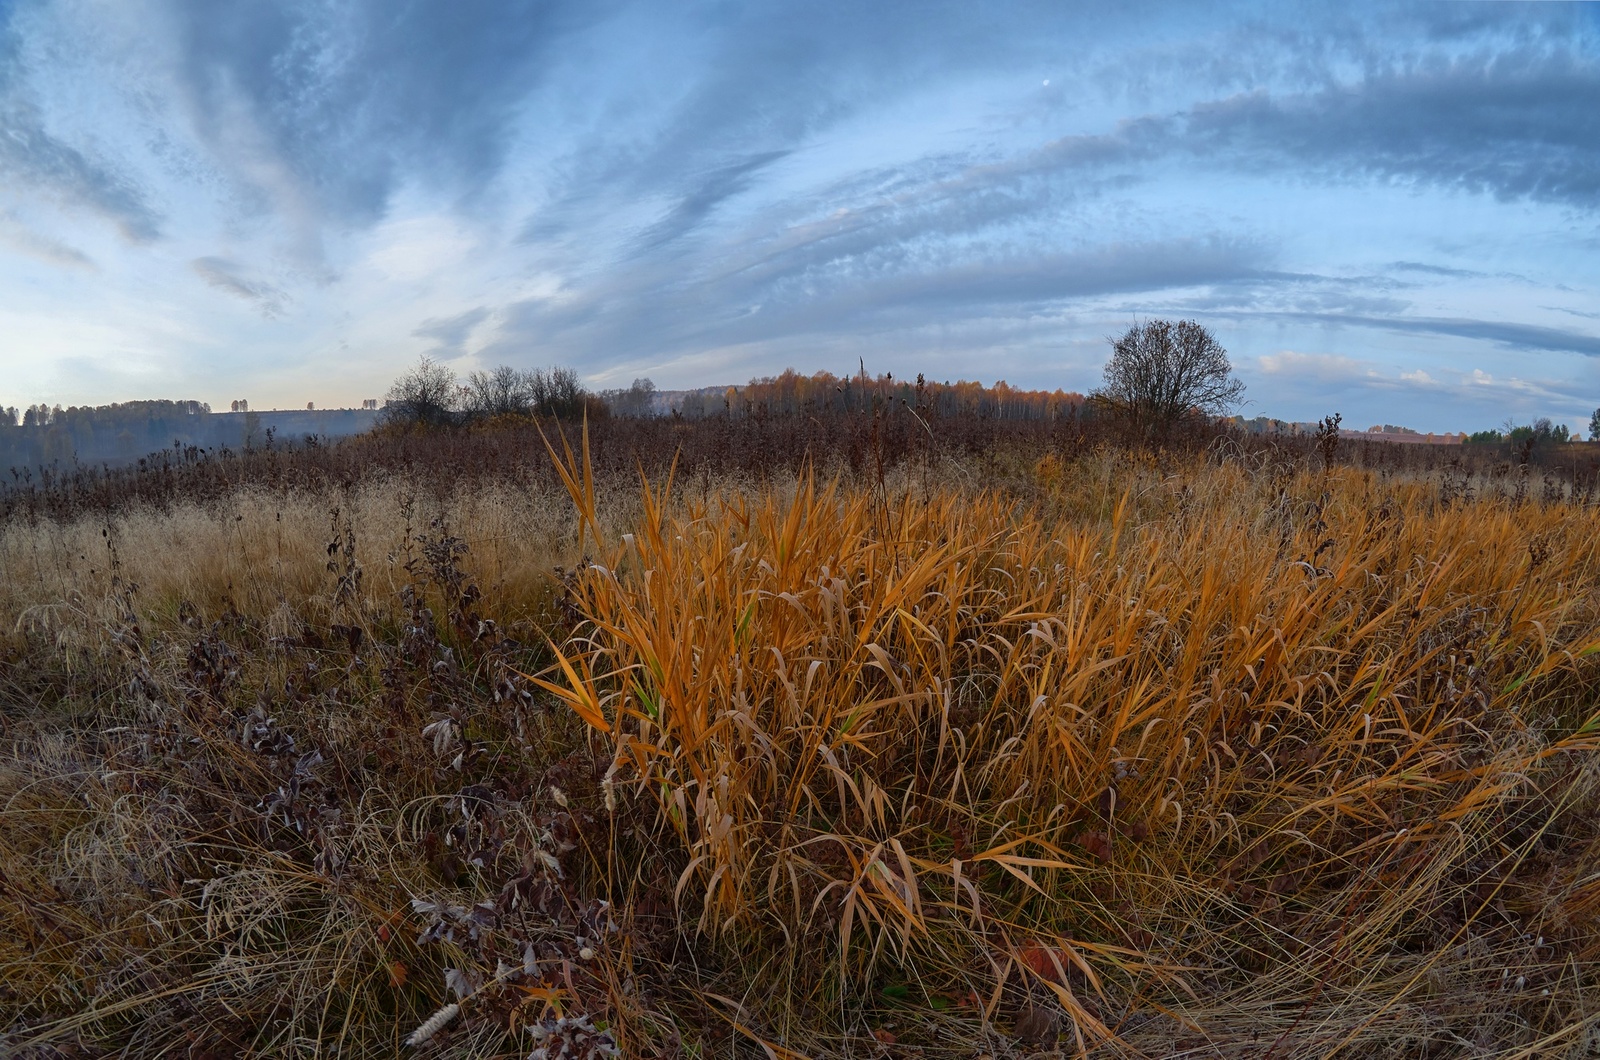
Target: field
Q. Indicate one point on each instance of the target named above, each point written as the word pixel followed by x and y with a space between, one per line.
pixel 853 738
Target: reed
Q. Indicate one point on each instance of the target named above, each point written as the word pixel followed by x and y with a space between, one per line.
pixel 1274 746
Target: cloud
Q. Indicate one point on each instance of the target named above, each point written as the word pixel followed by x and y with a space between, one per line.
pixel 24 240
pixel 450 333
pixel 1334 375
pixel 30 156
pixel 800 291
pixel 1326 370
pixel 1115 268
pixel 1276 294
pixel 1509 335
pixel 712 189
pixel 666 219
pixel 350 101
pixel 1572 312
pixel 229 277
pixel 1434 270
pixel 915 237
pixel 771 76
pixel 1517 125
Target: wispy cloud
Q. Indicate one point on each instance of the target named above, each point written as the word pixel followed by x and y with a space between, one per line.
pixel 1513 336
pixel 351 101
pixel 450 333
pixel 1519 124
pixel 26 240
pixel 1509 335
pixel 230 278
pixel 1434 270
pixel 32 158
pixel 1360 383
pixel 711 189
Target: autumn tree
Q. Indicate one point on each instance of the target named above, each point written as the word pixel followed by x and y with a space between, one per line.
pixel 1162 372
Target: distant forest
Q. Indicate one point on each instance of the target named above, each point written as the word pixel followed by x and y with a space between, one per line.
pixel 792 393
pixel 40 436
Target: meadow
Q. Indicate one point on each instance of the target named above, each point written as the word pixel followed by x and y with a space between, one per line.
pixel 802 736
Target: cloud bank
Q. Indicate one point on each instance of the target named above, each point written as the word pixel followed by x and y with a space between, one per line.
pixel 309 195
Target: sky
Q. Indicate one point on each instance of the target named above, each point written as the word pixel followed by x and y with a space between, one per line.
pixel 1391 212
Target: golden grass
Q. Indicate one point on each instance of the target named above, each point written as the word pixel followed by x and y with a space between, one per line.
pixel 937 729
pixel 1182 759
pixel 259 550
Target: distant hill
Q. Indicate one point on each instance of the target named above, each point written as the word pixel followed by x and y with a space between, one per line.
pixel 122 433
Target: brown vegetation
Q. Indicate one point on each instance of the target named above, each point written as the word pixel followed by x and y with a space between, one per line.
pixel 845 738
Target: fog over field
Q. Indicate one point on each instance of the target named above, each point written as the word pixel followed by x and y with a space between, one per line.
pixel 1391 212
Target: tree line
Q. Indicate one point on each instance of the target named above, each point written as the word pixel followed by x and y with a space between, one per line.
pixel 431 395
pixel 44 436
pixel 40 435
pixel 1536 435
pixel 823 392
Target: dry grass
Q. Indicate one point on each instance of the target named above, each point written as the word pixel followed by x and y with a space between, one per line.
pixel 1133 757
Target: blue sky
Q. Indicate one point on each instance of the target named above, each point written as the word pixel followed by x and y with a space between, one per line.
pixel 1392 212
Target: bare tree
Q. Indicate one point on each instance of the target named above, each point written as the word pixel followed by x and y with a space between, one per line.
pixel 503 391
pixel 1163 371
pixel 557 392
pixel 637 400
pixel 429 394
pixel 426 394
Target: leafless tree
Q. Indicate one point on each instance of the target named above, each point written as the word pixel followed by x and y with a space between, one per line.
pixel 426 394
pixel 1163 371
pixel 499 392
pixel 557 392
pixel 429 394
pixel 637 400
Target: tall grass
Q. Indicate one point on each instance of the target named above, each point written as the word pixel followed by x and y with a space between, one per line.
pixel 1274 762
pixel 1119 755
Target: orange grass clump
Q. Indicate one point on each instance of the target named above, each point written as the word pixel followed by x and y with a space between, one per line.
pixel 1300 758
